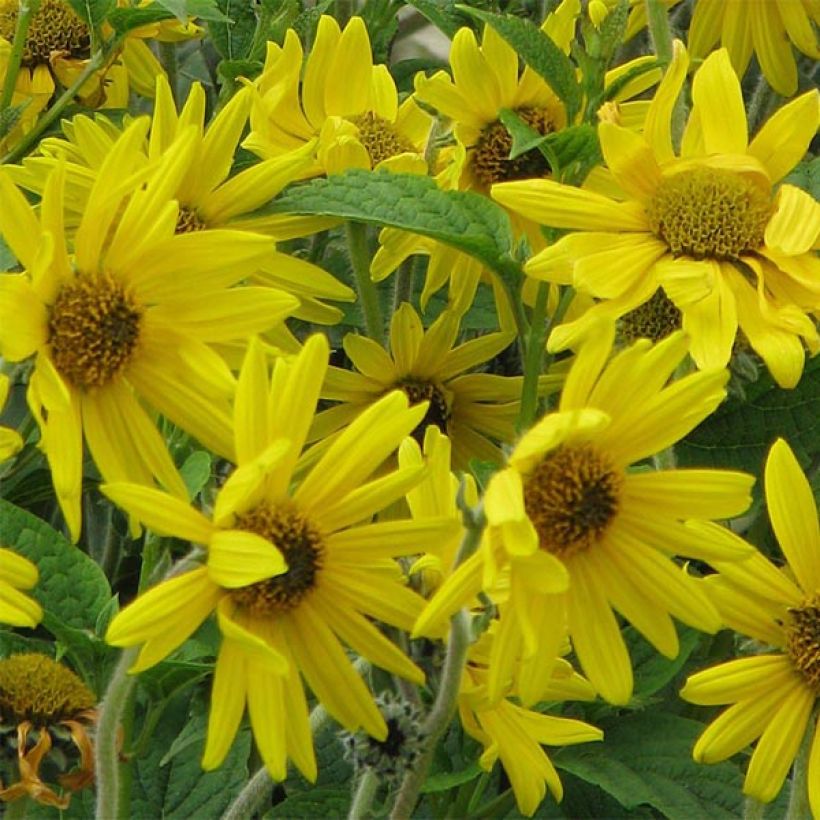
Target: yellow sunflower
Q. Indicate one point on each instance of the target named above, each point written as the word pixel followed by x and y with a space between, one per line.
pixel 709 226
pixel 208 196
pixel 515 735
pixel 772 694
pixel 129 317
pixel 17 573
pixel 475 410
pixel 582 535
pixel 767 29
pixel 350 105
pixel 293 572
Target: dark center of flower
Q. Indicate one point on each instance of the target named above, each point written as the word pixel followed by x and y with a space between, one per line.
pixel 189 221
pixel 35 688
pixel 302 545
pixel 571 497
pixel 54 28
pixel 655 319
pixel 491 158
pixel 709 213
pixel 803 641
pixel 93 328
pixel 438 411
pixel 380 138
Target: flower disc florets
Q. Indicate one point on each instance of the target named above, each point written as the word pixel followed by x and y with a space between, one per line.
pixel 35 688
pixel 709 213
pixel 54 28
pixel 94 328
pixel 302 545
pixel 803 641
pixel 655 319
pixel 438 411
pixel 571 497
pixel 380 138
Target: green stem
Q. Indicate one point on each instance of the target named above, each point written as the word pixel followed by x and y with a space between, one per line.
pixel 658 20
pixel 534 358
pixel 403 284
pixel 365 286
pixel 799 807
pixel 96 62
pixel 168 57
pixel 365 792
pixel 26 11
pixel 444 706
pixel 106 751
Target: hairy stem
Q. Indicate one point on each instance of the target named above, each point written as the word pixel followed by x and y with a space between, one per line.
pixel 365 286
pixel 365 792
pixel 26 11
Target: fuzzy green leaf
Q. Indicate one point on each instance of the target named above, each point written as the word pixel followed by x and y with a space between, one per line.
pixel 646 759
pixel 462 219
pixel 539 52
pixel 327 803
pixel 71 588
pixel 233 35
pixel 93 12
pixel 441 13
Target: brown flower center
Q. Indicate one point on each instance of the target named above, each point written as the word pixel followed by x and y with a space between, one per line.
pixel 571 498
pixel 189 221
pixel 94 328
pixel 35 688
pixel 655 319
pixel 54 28
pixel 709 213
pixel 803 641
pixel 302 545
pixel 491 159
pixel 380 138
pixel 438 411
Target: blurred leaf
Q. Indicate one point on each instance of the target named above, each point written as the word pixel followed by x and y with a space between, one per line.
pixel 462 219
pixel 806 176
pixel 646 759
pixel 196 471
pixel 444 781
pixel 540 53
pixel 233 35
pixel 327 803
pixel 443 14
pixel 94 12
pixel 651 669
pixel 125 19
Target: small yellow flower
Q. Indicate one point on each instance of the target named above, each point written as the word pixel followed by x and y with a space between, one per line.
pixel 772 695
pixel 709 226
pixel 342 100
pixel 41 700
pixel 582 536
pixel 294 571
pixel 17 573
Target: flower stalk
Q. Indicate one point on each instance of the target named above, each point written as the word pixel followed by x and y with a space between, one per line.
pixel 365 287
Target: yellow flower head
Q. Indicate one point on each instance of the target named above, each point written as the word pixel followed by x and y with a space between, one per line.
pixel 707 225
pixel 17 573
pixel 341 99
pixel 583 535
pixel 772 695
pixel 43 700
pixel 294 571
pixel 475 410
pixel 130 315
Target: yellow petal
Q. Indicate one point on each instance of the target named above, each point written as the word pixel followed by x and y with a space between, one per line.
pixel 238 558
pixel 717 96
pixel 795 226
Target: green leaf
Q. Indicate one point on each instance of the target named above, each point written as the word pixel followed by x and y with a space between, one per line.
pixel 72 588
pixel 312 804
pixel 125 19
pixel 444 781
pixel 233 35
pixel 739 433
pixel 443 14
pixel 94 12
pixel 177 7
pixel 196 471
pixel 806 176
pixel 12 643
pixel 205 10
pixel 8 261
pixel 305 24
pixel 646 759
pixel 462 219
pixel 539 52
pixel 652 670
pixel 180 789
pixel 335 770
pixel 613 28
